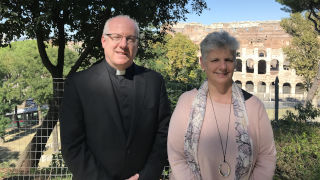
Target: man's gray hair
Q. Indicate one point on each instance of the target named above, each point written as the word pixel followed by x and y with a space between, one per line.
pixel 106 25
pixel 217 40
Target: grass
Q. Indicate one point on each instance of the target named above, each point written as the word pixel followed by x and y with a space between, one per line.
pixel 6 170
pixel 16 142
pixel 62 178
pixel 281 112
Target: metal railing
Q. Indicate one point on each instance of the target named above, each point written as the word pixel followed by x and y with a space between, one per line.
pixel 37 141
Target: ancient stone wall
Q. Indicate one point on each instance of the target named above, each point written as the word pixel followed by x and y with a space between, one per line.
pixel 260 58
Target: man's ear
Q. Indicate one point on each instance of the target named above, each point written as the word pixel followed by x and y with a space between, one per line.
pixel 102 41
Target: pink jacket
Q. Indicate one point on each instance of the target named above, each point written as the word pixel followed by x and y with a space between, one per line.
pixel 209 149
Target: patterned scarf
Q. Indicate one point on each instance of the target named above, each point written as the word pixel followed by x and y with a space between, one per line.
pixel 244 142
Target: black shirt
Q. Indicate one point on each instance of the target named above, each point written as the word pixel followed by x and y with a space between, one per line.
pixel 123 88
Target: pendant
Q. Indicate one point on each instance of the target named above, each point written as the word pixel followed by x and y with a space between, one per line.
pixel 224 169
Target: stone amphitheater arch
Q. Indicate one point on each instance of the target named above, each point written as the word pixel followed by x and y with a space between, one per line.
pixel 260 58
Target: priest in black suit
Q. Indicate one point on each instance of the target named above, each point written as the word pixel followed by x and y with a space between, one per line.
pixel 115 115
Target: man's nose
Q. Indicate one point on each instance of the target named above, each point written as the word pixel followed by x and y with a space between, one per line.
pixel 123 42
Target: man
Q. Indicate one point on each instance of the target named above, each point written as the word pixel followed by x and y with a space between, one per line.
pixel 115 115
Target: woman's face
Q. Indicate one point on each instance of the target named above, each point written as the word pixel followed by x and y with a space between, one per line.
pixel 219 66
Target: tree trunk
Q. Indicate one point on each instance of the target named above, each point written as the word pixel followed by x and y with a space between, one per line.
pixel 314 88
pixel 31 155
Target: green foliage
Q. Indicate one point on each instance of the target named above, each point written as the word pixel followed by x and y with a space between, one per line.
pixel 298 144
pixel 4 122
pixel 299 5
pixel 303 52
pixel 56 170
pixel 24 71
pixel 154 56
pixel 175 89
pixel 25 77
pixel 311 7
pixel 64 21
pixel 6 170
pixel 58 164
pixel 175 58
pixel 182 64
pixel 305 113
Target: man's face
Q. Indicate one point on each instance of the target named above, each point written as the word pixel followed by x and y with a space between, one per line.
pixel 120 53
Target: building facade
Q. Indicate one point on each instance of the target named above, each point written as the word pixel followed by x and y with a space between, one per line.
pixel 260 58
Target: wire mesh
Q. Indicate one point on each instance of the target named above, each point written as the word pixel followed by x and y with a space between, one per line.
pixel 31 145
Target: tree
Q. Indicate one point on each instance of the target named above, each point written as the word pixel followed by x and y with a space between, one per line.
pixel 11 89
pixel 303 52
pixel 4 106
pixel 4 122
pixel 182 64
pixel 79 21
pixel 23 70
pixel 175 58
pixel 154 56
pixel 312 7
pixel 24 77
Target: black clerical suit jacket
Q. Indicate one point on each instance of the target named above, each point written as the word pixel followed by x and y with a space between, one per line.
pixel 94 144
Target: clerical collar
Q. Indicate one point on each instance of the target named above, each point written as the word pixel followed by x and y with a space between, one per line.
pixel 129 72
pixel 120 73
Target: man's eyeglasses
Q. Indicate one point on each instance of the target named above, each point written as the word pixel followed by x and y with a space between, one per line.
pixel 118 37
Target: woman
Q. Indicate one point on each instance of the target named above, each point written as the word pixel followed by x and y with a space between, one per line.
pixel 220 131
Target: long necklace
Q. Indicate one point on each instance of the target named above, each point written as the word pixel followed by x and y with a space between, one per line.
pixel 224 167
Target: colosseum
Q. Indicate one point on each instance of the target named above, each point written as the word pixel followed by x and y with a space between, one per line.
pixel 260 58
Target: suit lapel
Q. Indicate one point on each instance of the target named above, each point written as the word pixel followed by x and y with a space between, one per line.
pixel 139 91
pixel 109 97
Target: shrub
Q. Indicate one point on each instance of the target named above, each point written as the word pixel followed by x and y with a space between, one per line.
pixel 298 144
pixel 175 89
pixel 4 122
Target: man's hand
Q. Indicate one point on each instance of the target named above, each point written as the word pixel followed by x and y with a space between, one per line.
pixel 134 177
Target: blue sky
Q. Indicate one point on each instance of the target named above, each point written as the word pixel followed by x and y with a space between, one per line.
pixel 239 10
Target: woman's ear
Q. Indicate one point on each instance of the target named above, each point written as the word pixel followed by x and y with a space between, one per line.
pixel 202 65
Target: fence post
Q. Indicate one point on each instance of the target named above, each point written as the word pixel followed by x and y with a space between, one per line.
pixel 16 117
pixel 276 94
